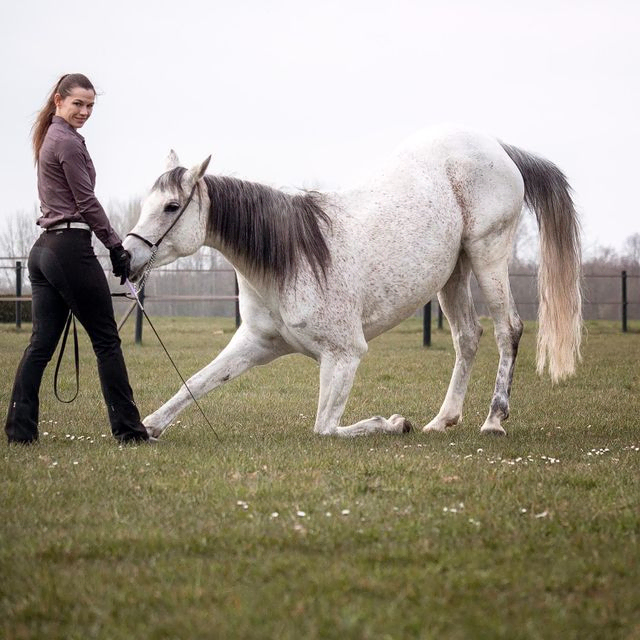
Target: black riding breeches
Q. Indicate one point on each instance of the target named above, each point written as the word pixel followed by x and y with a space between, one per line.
pixel 66 275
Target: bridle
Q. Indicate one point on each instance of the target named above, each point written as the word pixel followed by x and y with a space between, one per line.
pixel 154 245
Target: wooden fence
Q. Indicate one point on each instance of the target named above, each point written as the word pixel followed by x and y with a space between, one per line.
pixel 176 291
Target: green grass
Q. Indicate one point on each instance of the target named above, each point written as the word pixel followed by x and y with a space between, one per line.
pixel 277 533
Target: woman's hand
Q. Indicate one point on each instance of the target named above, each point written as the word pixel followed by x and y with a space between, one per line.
pixel 121 262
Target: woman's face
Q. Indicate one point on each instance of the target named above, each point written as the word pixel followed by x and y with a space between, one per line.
pixel 76 107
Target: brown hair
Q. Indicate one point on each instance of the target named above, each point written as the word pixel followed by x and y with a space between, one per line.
pixel 64 87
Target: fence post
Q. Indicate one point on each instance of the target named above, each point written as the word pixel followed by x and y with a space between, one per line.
pixel 139 318
pixel 238 318
pixel 426 325
pixel 18 294
pixel 624 302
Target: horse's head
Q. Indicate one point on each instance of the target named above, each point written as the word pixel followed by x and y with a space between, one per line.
pixel 170 218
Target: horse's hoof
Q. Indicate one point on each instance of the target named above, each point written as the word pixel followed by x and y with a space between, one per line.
pixel 154 432
pixel 435 426
pixel 493 430
pixel 400 423
pixel 433 429
pixel 440 425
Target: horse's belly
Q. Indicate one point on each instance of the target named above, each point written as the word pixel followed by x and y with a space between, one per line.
pixel 408 278
pixel 385 307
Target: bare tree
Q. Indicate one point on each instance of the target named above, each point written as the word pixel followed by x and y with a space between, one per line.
pixel 631 248
pixel 123 215
pixel 526 242
pixel 19 234
pixel 16 239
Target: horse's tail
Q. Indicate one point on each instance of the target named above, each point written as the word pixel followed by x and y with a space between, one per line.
pixel 547 193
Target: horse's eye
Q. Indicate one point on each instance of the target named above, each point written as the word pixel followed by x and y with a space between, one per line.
pixel 171 207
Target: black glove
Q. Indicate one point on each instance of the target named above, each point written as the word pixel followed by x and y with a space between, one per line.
pixel 121 262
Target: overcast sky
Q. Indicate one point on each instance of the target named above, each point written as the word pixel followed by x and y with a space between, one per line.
pixel 315 94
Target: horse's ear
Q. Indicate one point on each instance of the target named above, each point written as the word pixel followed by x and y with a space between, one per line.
pixel 195 173
pixel 172 160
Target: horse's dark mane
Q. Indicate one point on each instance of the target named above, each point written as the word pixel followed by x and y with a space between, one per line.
pixel 270 230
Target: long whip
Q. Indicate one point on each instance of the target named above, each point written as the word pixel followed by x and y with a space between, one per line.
pixel 134 292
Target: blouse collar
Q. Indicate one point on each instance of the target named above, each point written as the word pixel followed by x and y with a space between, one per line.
pixel 61 121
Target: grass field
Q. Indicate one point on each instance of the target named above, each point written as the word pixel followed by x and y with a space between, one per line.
pixel 277 533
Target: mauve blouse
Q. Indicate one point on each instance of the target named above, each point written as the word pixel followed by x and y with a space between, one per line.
pixel 66 182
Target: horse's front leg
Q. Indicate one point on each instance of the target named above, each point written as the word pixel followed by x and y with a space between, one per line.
pixel 336 379
pixel 244 351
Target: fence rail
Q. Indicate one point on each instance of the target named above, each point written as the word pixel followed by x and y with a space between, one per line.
pixel 613 296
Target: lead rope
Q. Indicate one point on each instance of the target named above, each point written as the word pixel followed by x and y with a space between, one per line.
pixel 70 319
pixel 136 288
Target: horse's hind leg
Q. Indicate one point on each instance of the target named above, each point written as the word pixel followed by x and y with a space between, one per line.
pixel 457 304
pixel 493 279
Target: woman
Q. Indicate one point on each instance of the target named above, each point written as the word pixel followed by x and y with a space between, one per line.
pixel 64 271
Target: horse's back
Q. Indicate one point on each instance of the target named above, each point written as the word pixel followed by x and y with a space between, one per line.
pixel 435 145
pixel 441 186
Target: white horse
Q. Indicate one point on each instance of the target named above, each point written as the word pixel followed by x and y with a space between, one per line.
pixel 324 273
